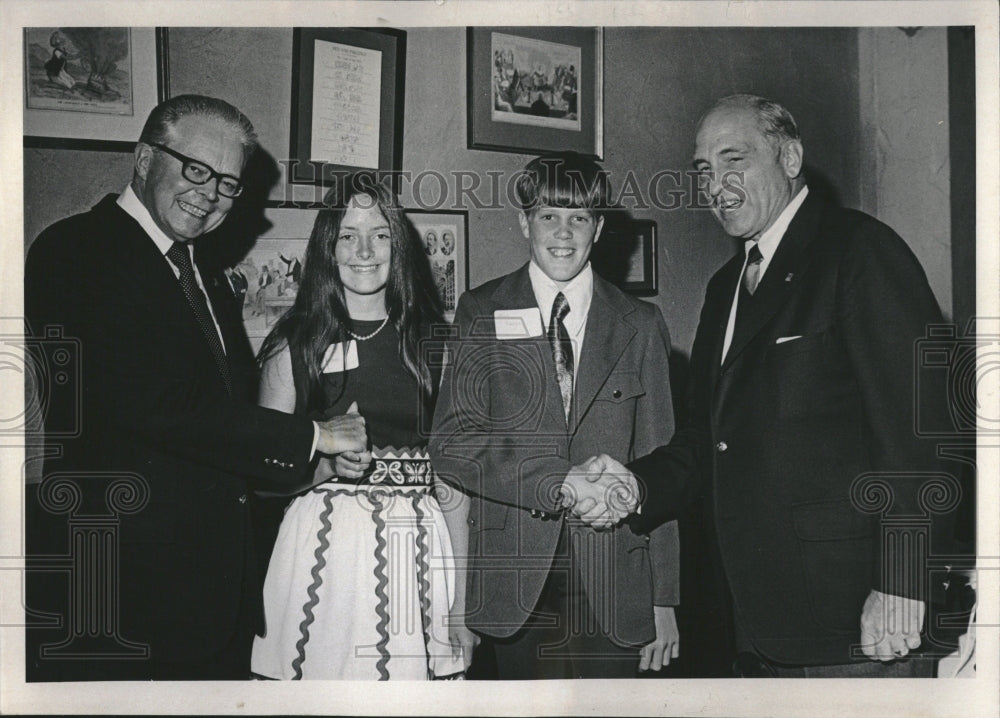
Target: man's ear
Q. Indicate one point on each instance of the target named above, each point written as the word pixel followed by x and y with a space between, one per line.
pixel 791 158
pixel 143 156
pixel 600 226
pixel 522 217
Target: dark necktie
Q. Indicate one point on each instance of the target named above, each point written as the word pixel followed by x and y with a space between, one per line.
pixel 751 275
pixel 562 351
pixel 178 254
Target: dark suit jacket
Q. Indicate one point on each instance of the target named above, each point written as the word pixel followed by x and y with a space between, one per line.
pixel 500 434
pixel 153 404
pixel 781 432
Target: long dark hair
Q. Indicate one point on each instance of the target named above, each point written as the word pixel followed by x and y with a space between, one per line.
pixel 319 315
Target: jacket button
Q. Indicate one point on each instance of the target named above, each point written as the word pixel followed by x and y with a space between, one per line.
pixel 721 447
pixel 472 521
pixel 243 499
pixel 617 394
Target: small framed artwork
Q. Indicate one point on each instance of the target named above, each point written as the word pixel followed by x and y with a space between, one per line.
pixel 347 102
pixel 91 87
pixel 626 255
pixel 445 238
pixel 268 277
pixel 536 89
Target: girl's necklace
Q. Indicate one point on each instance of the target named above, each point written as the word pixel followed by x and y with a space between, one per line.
pixel 366 337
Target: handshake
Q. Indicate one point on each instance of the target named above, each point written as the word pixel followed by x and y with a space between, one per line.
pixel 600 492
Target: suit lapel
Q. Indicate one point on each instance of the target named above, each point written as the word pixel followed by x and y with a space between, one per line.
pixel 148 274
pixel 782 276
pixel 604 341
pixel 516 293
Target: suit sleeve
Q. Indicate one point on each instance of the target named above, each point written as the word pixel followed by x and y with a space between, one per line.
pixel 471 453
pixel 669 475
pixel 125 397
pixel 654 425
pixel 884 306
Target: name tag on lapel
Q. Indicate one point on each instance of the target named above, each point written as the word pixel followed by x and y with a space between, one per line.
pixel 517 323
pixel 341 357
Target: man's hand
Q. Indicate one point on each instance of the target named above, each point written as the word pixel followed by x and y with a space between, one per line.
pixel 343 433
pixel 656 655
pixel 600 491
pixel 890 626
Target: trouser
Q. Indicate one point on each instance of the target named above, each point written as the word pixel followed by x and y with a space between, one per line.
pixel 562 639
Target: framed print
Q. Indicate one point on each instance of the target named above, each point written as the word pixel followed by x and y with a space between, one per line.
pixel 91 87
pixel 445 238
pixel 626 255
pixel 268 277
pixel 347 102
pixel 536 89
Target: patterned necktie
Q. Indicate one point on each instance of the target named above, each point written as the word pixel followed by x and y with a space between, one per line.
pixel 751 275
pixel 178 254
pixel 562 350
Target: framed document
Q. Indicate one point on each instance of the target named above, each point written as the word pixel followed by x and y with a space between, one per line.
pixel 626 255
pixel 536 89
pixel 91 87
pixel 445 238
pixel 347 102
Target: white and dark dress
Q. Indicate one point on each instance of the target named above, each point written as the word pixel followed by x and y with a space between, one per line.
pixel 362 576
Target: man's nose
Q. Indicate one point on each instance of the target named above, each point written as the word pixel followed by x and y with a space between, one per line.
pixel 210 190
pixel 563 231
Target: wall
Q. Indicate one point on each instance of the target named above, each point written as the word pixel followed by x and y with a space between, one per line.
pixel 905 122
pixel 657 84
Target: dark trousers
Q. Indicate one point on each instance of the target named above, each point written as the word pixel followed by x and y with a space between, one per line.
pixel 750 664
pixel 563 638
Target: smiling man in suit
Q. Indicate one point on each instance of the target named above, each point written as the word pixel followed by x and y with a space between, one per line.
pixel 170 441
pixel 801 395
pixel 553 364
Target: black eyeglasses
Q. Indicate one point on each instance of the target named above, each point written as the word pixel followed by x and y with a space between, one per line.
pixel 197 172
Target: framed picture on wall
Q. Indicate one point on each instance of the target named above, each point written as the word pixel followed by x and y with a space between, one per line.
pixel 91 87
pixel 445 238
pixel 268 276
pixel 626 255
pixel 536 89
pixel 347 102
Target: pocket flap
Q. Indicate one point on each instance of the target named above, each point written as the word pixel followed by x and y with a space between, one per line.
pixel 620 386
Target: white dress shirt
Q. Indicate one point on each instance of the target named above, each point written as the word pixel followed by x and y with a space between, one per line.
pixel 579 292
pixel 768 245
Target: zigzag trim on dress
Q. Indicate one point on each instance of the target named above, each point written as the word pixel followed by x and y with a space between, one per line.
pixel 317 580
pixel 380 593
pixel 423 585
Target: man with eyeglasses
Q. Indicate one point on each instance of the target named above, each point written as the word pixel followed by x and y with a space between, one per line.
pixel 167 444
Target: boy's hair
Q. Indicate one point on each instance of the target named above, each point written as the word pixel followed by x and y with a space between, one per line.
pixel 563 179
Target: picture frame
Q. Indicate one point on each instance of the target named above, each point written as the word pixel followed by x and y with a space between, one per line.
pixel 348 89
pixel 450 268
pixel 536 89
pixel 281 250
pixel 626 255
pixel 96 98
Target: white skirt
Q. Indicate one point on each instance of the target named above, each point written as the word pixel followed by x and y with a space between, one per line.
pixel 360 582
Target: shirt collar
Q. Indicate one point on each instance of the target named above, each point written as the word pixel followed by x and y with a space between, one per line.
pixel 129 201
pixel 771 238
pixel 579 292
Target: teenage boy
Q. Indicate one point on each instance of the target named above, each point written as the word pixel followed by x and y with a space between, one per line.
pixel 550 366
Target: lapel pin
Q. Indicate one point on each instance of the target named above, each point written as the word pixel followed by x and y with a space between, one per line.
pixel 788 277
